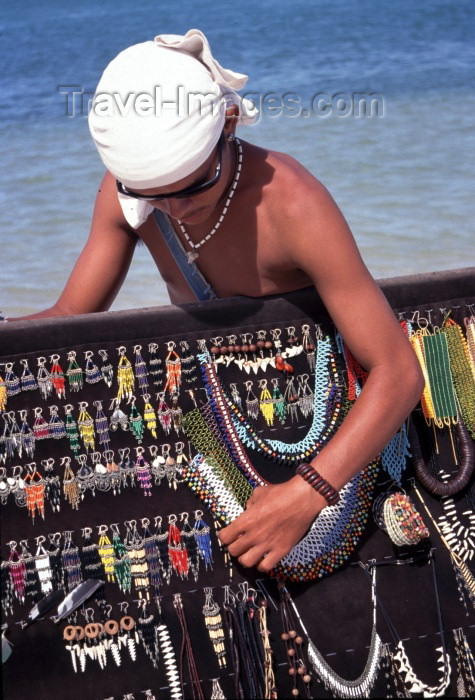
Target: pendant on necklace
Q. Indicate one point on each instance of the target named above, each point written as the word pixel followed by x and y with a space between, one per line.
pixel 191 256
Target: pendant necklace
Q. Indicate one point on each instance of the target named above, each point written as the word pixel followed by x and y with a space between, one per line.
pixel 193 253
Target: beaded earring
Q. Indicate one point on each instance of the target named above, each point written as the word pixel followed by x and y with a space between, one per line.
pixel 74 373
pixel 136 422
pixel 12 382
pixel 71 562
pixel 143 472
pixel 57 377
pixel 102 426
pixel 27 379
pixel 17 572
pixel 122 561
pixel 176 549
pixel 161 538
pixel 107 371
pixel 148 633
pixel 86 426
pixel 40 426
pixel 52 485
pixel 125 376
pixel 141 371
pixel 202 535
pixel 35 492
pixel 173 369
pixel 43 566
pixel 70 484
pixel 149 415
pixel 57 429
pixel 155 364
pixel 188 538
pixel 92 372
pixel 43 379
pixel 266 404
pixel 214 625
pixel 27 435
pixel 134 545
pixel 152 556
pixel 164 413
pixel 72 431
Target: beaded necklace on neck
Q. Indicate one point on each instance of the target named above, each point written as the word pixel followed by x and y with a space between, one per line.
pixel 193 253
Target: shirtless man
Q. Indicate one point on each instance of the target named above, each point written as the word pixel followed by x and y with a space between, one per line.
pixel 281 231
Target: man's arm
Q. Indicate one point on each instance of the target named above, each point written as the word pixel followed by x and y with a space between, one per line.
pixel 278 516
pixel 103 263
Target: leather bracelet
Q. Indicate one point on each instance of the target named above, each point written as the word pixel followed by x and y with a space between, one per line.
pixel 316 481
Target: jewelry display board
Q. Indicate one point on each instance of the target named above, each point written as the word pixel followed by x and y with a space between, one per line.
pixel 106 425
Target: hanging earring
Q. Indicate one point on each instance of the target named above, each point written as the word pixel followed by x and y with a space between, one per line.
pixel 125 376
pixel 43 566
pixel 203 539
pixel 176 548
pixel 141 371
pixel 43 379
pixel 122 561
pixel 306 397
pixel 152 556
pixel 92 371
pixel 86 426
pixel 57 377
pixel 71 562
pixel 57 429
pixel 161 537
pixel 17 572
pixel 164 413
pixel 190 544
pixel 72 431
pixel 149 415
pixel 155 364
pixel 40 426
pixel 136 421
pixel 214 625
pixel 173 370
pixel 118 417
pixel 266 404
pixel 106 553
pixel 52 485
pixel 70 484
pixel 278 400
pixel 309 346
pixel 27 379
pixel 102 426
pixel 144 475
pixel 252 403
pixel 74 373
pixel 138 562
pixel 12 382
pixel 107 371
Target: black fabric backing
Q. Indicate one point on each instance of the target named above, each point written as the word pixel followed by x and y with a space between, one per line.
pixel 336 610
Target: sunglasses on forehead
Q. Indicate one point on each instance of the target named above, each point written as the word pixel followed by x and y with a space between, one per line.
pixel 191 191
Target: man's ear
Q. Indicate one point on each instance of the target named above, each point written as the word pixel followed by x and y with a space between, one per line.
pixel 230 121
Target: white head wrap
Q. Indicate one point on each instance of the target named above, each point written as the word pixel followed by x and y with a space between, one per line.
pixel 158 112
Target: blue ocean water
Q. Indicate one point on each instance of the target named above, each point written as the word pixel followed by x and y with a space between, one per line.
pixel 403 174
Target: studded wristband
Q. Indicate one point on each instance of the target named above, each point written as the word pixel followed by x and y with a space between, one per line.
pixel 316 481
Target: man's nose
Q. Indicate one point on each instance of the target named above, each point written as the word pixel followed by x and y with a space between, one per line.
pixel 176 208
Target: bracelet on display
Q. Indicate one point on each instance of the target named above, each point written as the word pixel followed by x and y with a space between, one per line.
pixel 316 481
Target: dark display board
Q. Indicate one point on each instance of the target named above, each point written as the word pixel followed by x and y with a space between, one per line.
pixel 421 603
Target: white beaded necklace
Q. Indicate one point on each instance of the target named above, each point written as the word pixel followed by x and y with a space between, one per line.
pixel 193 253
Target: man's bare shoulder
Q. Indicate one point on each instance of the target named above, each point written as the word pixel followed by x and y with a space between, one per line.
pixel 291 184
